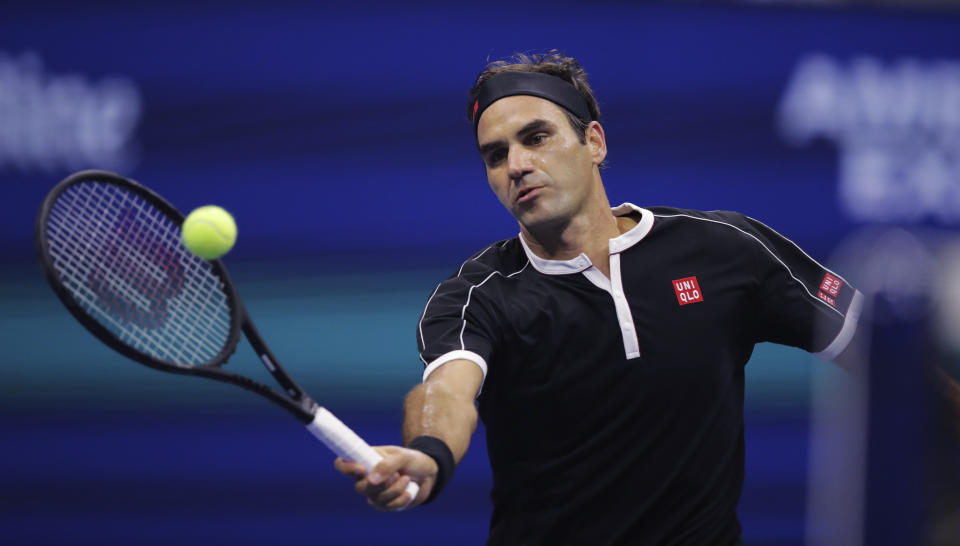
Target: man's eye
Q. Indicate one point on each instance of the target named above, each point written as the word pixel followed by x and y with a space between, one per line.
pixel 538 138
pixel 496 157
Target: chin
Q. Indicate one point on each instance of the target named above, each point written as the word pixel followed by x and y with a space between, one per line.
pixel 535 218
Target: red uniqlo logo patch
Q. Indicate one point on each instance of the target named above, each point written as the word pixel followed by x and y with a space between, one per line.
pixel 688 290
pixel 829 289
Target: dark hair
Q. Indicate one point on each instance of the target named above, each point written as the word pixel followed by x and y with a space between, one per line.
pixel 554 63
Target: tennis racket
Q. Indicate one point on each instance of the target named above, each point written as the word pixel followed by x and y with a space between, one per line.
pixel 111 250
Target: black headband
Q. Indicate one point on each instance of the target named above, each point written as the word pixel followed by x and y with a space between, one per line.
pixel 537 84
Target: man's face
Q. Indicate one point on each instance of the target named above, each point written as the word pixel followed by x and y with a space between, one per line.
pixel 535 162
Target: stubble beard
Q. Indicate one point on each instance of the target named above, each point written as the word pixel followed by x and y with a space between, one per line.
pixel 549 225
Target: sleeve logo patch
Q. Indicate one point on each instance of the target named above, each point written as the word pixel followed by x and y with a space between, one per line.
pixel 688 290
pixel 829 289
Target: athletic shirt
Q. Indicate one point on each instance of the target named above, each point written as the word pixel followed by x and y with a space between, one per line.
pixel 614 406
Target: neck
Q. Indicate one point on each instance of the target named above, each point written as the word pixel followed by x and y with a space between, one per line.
pixel 587 232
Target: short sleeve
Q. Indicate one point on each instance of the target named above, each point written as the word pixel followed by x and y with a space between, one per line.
pixel 458 322
pixel 800 303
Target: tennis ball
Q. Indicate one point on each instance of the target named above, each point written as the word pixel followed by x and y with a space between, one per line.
pixel 209 232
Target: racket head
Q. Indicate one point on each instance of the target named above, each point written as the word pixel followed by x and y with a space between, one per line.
pixel 111 250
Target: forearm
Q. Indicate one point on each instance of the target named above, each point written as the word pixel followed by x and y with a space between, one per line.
pixel 949 390
pixel 435 409
pixel 441 407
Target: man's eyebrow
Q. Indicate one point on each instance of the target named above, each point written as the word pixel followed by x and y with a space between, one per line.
pixel 532 127
pixel 490 146
pixel 535 126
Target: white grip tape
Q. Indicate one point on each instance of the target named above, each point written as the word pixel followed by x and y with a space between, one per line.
pixel 346 444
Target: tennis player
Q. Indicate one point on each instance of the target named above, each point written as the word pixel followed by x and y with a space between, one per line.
pixel 604 347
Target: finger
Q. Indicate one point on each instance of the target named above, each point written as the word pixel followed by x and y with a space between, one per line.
pixel 396 460
pixel 385 470
pixel 426 487
pixel 349 468
pixel 403 500
pixel 394 496
pixel 374 490
pixel 362 487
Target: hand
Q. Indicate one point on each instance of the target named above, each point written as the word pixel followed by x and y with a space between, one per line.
pixel 385 486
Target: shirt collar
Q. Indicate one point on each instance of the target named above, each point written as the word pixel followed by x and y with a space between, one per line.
pixel 582 262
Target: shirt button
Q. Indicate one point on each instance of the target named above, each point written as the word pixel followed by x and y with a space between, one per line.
pixel 626 325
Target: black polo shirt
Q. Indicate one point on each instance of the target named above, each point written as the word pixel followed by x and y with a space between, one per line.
pixel 614 407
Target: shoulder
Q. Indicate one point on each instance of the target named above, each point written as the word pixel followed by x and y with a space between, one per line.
pixel 728 231
pixel 503 258
pixel 480 276
pixel 707 226
pixel 678 216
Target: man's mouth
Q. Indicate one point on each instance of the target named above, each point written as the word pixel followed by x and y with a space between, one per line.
pixel 526 194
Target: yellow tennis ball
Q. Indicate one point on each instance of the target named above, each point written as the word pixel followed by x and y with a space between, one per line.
pixel 209 232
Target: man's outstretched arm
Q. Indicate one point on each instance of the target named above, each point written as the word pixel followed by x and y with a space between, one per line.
pixel 441 407
pixel 949 390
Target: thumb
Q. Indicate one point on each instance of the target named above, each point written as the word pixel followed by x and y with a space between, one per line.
pixel 419 466
pixel 395 460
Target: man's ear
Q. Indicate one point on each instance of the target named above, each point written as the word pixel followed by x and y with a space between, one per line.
pixel 596 142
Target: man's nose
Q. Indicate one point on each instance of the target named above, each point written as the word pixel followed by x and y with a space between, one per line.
pixel 519 163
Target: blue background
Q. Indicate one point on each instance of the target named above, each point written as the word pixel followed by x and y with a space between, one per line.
pixel 338 139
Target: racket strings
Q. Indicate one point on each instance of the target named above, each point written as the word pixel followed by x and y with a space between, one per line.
pixel 123 261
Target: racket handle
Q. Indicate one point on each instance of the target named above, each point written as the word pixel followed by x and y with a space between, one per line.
pixel 346 444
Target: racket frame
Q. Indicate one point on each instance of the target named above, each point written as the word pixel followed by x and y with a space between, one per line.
pixel 295 401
